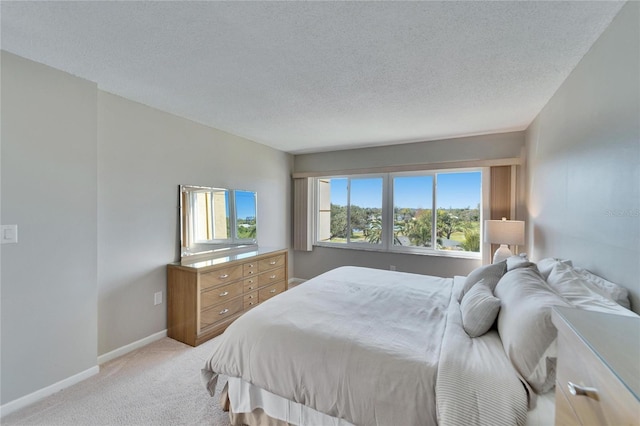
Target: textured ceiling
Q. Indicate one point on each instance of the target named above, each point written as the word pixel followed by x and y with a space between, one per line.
pixel 314 76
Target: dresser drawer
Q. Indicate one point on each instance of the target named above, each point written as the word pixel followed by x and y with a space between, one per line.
pixel 565 416
pixel 250 284
pixel 271 263
pixel 610 403
pixel 220 276
pixel 270 291
pixel 220 312
pixel 220 294
pixel 269 277
pixel 250 300
pixel 249 269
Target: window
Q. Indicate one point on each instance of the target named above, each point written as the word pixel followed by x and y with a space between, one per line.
pixel 412 211
pixel 458 198
pixel 404 212
pixel 350 210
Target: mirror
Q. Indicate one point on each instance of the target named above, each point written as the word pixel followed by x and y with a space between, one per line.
pixel 214 219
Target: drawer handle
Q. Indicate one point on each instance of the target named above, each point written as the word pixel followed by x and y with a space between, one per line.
pixel 251 303
pixel 250 272
pixel 273 262
pixel 272 290
pixel 251 265
pixel 251 288
pixel 272 277
pixel 251 297
pixel 578 390
pixel 222 277
pixel 224 294
pixel 224 311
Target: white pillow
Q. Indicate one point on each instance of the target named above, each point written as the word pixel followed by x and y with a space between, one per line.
pixel 546 265
pixel 611 290
pixel 490 273
pixel 581 293
pixel 521 261
pixel 479 308
pixel 525 327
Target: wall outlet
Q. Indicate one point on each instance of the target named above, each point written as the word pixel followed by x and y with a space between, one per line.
pixel 157 298
pixel 392 267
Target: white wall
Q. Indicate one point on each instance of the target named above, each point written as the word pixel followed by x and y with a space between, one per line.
pixel 485 147
pixel 49 183
pixel 583 154
pixel 143 155
pixel 322 259
pixel 92 181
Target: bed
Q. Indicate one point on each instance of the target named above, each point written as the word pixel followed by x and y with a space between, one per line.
pixel 359 346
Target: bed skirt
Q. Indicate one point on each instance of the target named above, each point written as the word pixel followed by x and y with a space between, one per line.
pixel 543 414
pixel 255 418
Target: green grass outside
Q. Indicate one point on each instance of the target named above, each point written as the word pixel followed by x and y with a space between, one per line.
pixel 458 236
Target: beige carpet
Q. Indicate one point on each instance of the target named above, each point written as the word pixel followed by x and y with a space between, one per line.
pixel 158 384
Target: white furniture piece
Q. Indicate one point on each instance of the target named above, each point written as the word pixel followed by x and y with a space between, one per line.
pixel 598 371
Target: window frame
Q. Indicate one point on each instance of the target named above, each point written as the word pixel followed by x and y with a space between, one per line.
pixel 386 244
pixel 349 243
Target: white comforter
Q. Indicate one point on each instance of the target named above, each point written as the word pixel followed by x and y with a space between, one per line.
pixel 354 343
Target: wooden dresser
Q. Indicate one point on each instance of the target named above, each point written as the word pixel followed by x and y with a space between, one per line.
pixel 204 297
pixel 598 370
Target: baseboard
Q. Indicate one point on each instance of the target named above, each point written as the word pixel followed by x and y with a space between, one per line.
pixel 294 282
pixel 29 399
pixel 131 347
pixel 36 396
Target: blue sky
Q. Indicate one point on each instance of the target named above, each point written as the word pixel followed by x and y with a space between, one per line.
pixel 456 190
pixel 459 190
pixel 245 204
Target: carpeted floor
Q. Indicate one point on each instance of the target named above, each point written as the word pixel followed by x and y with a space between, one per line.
pixel 158 384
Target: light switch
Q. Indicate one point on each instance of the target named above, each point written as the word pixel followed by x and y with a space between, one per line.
pixel 9 234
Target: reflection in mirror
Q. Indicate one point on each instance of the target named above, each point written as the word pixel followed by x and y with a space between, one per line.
pixel 245 202
pixel 211 215
pixel 213 219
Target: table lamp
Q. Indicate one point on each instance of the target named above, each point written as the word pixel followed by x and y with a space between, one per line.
pixel 504 232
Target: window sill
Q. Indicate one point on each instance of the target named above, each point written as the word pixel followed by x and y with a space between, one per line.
pixel 418 252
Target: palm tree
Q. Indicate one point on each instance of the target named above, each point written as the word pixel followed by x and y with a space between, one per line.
pixel 471 240
pixel 419 230
pixel 374 230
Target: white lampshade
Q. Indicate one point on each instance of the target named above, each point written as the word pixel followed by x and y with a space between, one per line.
pixel 504 231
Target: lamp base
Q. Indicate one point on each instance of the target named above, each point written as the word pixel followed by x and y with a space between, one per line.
pixel 502 253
